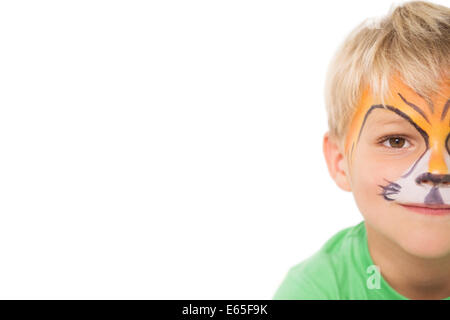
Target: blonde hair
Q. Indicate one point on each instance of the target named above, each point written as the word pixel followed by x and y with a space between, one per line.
pixel 412 41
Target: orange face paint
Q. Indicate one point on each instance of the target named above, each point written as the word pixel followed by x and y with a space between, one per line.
pixel 426 180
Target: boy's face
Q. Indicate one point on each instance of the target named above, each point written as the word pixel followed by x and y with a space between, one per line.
pixel 397 161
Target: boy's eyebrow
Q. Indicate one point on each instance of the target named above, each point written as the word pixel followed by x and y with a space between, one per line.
pixel 390 121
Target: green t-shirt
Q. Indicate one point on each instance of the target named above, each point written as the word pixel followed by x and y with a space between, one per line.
pixel 342 269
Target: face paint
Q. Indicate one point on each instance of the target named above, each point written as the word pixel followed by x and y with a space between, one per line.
pixel 427 179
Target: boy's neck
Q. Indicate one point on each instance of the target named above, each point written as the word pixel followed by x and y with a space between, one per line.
pixel 411 276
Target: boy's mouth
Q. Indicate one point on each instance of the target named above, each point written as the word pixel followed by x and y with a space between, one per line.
pixel 428 209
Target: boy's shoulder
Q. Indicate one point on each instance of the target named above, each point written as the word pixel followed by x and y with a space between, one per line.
pixel 325 274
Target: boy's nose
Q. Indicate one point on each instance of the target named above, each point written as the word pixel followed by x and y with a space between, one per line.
pixel 436 164
pixel 441 180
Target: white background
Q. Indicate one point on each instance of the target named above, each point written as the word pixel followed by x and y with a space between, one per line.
pixel 166 149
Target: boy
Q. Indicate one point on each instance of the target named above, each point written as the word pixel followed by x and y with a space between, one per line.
pixel 388 101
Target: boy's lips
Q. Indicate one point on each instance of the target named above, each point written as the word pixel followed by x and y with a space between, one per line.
pixel 429 209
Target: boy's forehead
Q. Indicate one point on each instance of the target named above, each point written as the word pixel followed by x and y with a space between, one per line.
pixel 399 95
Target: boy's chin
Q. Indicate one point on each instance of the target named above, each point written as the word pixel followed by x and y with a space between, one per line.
pixel 426 246
pixel 417 234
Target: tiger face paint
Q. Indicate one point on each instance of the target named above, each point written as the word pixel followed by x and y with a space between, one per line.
pixel 425 179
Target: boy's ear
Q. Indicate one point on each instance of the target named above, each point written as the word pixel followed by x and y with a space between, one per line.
pixel 336 162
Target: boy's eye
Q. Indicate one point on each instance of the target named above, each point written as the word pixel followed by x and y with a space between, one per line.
pixel 395 142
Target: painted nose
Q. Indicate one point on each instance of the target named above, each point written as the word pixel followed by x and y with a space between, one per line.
pixel 427 178
pixel 437 163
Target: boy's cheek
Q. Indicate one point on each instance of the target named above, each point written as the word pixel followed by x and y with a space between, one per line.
pixel 367 181
pixel 372 170
pixel 365 187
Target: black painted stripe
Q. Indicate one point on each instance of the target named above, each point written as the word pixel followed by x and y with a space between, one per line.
pixel 445 110
pixel 416 108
